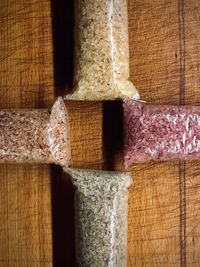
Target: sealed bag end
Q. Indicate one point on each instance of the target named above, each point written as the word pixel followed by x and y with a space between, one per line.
pixel 130 159
pixel 128 162
pixel 122 89
pixel 83 178
pixel 132 111
pixel 126 90
pixel 58 134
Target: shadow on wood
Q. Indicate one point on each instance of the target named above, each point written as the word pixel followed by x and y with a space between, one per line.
pixel 62 219
pixel 62 27
pixel 112 133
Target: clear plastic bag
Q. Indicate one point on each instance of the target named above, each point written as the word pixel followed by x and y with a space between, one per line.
pixel 35 135
pixel 101 205
pixel 101 70
pixel 161 132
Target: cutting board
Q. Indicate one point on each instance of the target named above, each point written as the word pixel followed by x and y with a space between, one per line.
pixel 36 201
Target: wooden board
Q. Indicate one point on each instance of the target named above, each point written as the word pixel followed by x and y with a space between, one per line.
pixel 36 201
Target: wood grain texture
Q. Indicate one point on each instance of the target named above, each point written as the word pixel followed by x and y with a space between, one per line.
pixel 25 221
pixel 86 134
pixel 154 216
pixel 36 201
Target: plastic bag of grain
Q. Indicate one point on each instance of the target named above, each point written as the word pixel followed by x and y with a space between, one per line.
pixel 160 132
pixel 101 69
pixel 35 135
pixel 101 205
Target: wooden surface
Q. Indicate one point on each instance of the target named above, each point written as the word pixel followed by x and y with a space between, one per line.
pixel 36 207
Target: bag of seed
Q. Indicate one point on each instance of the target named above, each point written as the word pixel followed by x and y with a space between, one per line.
pixel 101 69
pixel 160 132
pixel 101 205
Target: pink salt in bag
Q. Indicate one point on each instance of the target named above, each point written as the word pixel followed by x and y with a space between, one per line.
pixel 158 133
pixel 35 135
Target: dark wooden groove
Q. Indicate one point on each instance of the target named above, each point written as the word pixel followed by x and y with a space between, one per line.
pixel 182 182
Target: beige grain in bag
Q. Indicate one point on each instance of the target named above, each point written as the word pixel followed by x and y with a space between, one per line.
pixel 101 69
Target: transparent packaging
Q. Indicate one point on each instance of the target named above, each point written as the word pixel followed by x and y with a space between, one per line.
pixel 101 67
pixel 101 212
pixel 35 135
pixel 162 132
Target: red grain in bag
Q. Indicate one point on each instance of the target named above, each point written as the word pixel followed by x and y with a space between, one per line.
pixel 161 132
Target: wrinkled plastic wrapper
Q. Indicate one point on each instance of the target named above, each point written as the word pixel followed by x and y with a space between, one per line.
pixel 101 211
pixel 35 135
pixel 101 69
pixel 162 132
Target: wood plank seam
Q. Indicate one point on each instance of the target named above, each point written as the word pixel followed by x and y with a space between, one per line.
pixel 182 181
